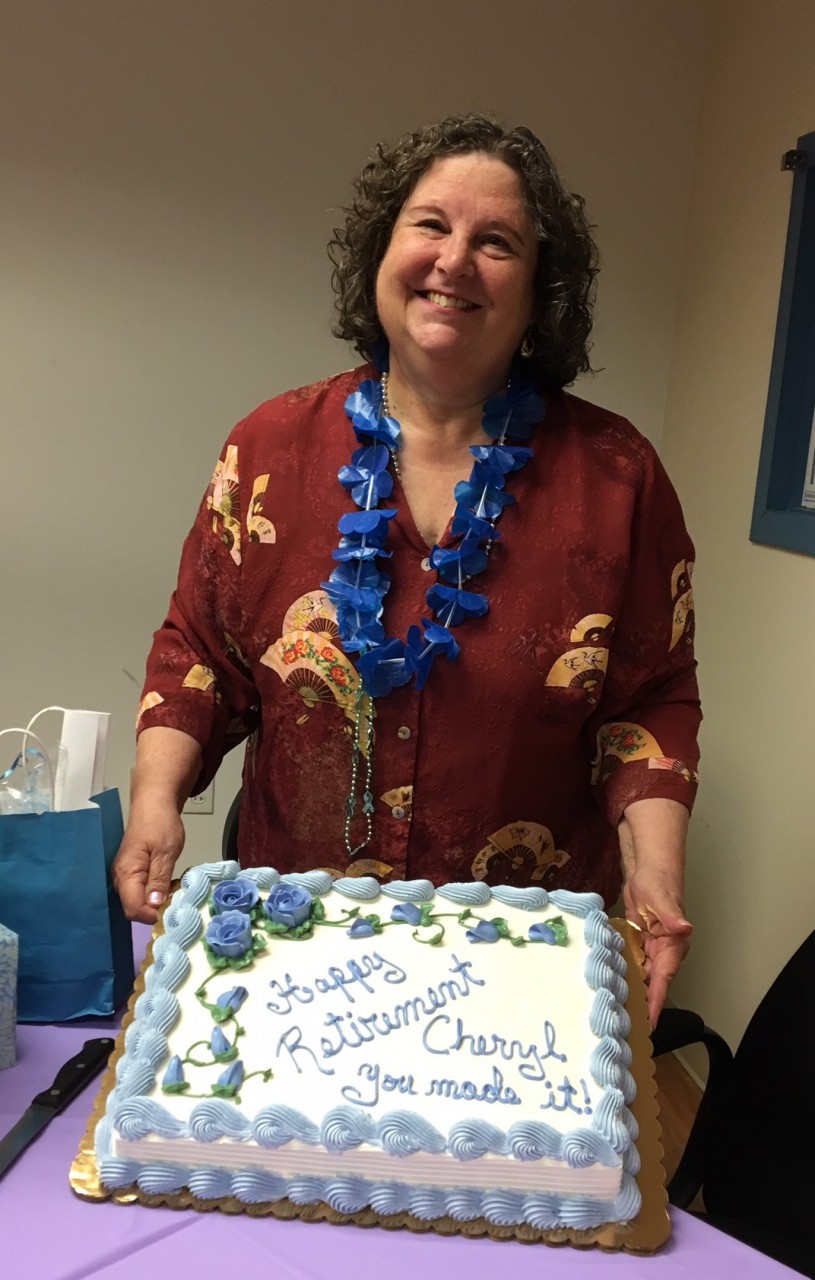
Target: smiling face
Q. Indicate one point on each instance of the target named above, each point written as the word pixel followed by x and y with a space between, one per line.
pixel 455 288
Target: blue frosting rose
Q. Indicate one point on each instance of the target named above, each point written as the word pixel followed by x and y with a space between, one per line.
pixel 240 894
pixel 288 904
pixel 230 934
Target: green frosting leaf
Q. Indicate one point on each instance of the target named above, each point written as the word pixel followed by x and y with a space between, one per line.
pixel 224 1090
pixel 181 1086
pixel 558 927
pixel 272 926
pixel 303 930
pixel 215 962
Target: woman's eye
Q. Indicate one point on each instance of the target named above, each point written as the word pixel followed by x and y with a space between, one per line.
pixel 432 224
pixel 497 242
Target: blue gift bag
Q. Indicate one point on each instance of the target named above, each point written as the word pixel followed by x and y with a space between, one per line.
pixel 76 953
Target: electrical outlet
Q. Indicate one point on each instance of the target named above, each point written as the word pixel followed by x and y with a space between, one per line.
pixel 203 803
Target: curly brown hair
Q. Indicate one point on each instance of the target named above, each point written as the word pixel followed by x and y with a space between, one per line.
pixel 567 256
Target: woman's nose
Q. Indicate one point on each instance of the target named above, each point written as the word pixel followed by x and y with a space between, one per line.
pixel 455 256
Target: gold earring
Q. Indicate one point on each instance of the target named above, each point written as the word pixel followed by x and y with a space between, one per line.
pixel 528 344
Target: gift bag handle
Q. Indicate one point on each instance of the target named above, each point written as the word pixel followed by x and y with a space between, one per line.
pixel 27 734
pixel 43 712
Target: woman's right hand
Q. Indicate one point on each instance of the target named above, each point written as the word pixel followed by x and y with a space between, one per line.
pixel 167 764
pixel 144 864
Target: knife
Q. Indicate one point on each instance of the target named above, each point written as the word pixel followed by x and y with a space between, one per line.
pixel 70 1081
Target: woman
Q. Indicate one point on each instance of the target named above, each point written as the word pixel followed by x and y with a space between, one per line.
pixel 492 676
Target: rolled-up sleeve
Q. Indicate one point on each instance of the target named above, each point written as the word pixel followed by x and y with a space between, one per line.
pixel 644 733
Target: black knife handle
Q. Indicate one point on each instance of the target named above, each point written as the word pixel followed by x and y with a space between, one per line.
pixel 74 1075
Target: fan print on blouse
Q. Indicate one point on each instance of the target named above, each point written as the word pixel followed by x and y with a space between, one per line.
pixel 401 798
pixel 148 701
pixel 360 867
pixel 199 677
pixel 620 743
pixel 584 666
pixel 308 659
pixel 222 497
pixel 520 853
pixel 623 742
pixel 682 597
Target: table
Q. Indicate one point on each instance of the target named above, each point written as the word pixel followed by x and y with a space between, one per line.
pixel 50 1234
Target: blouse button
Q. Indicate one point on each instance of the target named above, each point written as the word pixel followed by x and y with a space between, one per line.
pixel 403 732
pixel 426 564
pixel 398 811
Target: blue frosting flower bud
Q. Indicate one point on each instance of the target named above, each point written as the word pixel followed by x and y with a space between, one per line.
pixel 231 1079
pixel 484 931
pixel 174 1075
pixel 542 933
pixel 219 1044
pixel 288 904
pixel 230 934
pixel 408 912
pixel 240 894
pixel 361 928
pixel 232 999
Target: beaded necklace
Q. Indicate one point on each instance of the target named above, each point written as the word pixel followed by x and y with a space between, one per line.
pixel 357 588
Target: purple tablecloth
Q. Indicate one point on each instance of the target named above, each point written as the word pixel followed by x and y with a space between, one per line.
pixel 49 1234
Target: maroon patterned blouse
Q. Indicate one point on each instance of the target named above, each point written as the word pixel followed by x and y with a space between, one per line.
pixel 573 697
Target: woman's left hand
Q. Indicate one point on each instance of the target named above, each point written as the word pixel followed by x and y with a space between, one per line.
pixel 665 937
pixel 652 845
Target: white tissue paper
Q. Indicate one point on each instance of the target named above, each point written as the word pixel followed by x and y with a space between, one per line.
pixel 82 759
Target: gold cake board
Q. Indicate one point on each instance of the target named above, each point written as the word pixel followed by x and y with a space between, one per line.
pixel 645 1234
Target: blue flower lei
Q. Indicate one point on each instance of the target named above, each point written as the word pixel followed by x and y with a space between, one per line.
pixel 357 587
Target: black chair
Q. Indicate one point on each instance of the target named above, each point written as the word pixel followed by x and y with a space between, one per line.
pixel 751 1149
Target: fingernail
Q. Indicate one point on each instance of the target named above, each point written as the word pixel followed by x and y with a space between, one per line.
pixel 156 898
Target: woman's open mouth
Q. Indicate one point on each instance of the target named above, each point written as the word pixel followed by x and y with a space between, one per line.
pixel 448 301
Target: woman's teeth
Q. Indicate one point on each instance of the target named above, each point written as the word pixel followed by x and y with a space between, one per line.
pixel 444 300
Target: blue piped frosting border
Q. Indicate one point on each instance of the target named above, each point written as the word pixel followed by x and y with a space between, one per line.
pixel 609 1138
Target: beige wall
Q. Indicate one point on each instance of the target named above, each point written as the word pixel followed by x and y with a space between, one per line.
pixel 752 869
pixel 171 171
